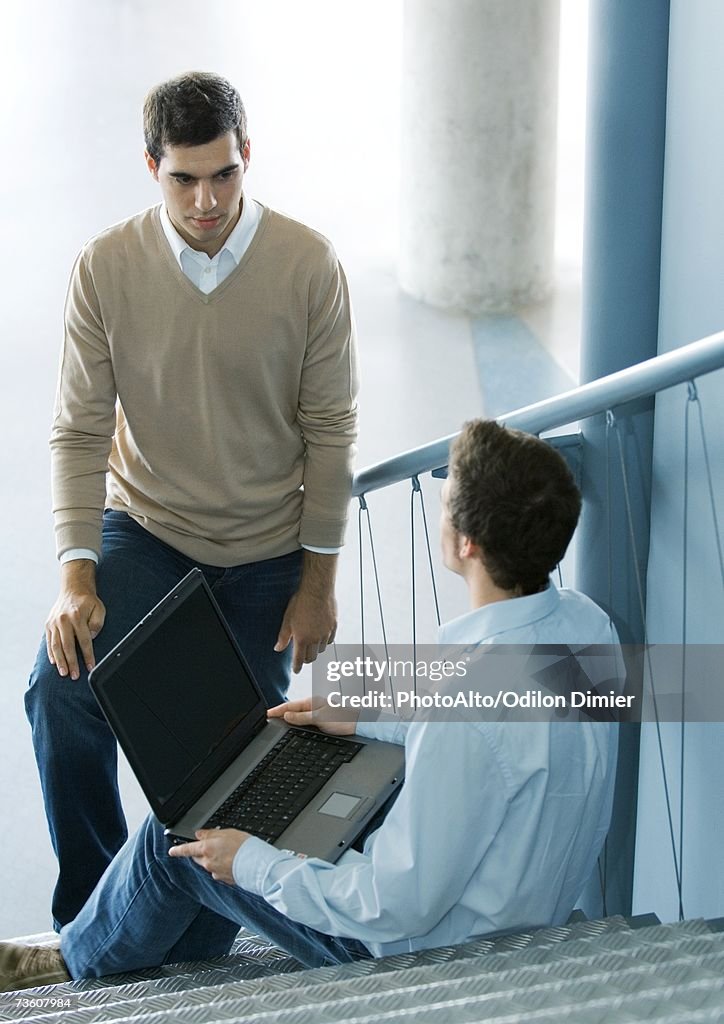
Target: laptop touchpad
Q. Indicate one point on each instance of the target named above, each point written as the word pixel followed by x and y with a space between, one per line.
pixel 340 805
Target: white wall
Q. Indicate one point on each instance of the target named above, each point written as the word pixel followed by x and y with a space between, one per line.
pixel 692 306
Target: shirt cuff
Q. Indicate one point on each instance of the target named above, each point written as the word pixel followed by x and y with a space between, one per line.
pixel 252 862
pixel 321 551
pixel 73 553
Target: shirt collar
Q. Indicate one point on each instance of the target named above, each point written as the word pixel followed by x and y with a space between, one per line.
pixel 484 623
pixel 236 244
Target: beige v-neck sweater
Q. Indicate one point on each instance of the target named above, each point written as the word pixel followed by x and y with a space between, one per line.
pixel 223 423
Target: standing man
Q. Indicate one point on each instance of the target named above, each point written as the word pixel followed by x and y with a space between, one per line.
pixel 205 416
pixel 497 825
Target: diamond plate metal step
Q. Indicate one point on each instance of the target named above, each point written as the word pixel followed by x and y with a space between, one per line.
pixel 259 966
pixel 417 986
pixel 588 971
pixel 256 966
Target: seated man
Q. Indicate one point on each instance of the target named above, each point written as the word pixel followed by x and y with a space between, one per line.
pixel 497 826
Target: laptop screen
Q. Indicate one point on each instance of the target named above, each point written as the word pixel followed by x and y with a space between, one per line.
pixel 178 695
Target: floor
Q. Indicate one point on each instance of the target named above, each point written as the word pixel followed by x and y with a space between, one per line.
pixel 76 76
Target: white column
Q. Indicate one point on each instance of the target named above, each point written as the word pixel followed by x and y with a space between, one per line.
pixel 480 81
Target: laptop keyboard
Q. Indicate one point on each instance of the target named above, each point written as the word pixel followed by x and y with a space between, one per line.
pixel 283 783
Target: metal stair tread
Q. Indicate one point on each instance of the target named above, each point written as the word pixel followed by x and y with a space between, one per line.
pixel 567 965
pixel 421 983
pixel 257 969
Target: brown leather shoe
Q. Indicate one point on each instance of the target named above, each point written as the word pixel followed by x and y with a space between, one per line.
pixel 30 966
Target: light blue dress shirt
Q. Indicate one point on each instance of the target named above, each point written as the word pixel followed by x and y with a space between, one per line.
pixel 497 826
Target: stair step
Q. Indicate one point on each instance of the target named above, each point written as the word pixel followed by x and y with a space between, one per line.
pixel 584 971
pixel 255 966
pixel 419 986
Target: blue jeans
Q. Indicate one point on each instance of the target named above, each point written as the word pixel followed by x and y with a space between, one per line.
pixel 74 747
pixel 151 909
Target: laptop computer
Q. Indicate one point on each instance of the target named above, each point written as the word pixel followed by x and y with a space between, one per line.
pixel 191 720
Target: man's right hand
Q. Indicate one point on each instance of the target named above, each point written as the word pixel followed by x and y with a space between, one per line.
pixel 316 711
pixel 77 617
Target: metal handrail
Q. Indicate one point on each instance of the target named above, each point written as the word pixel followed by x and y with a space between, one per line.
pixel 639 381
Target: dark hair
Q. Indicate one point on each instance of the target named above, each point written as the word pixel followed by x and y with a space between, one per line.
pixel 515 497
pixel 191 110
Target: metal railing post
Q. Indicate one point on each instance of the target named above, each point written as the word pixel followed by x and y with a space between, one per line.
pixel 626 132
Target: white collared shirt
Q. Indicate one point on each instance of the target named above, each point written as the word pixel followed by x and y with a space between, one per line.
pixel 207 272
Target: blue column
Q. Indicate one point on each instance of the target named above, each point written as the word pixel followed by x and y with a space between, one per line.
pixel 628 60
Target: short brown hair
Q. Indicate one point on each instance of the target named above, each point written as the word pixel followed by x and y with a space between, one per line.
pixel 191 110
pixel 515 497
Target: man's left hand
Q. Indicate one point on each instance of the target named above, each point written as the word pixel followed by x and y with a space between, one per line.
pixel 214 850
pixel 311 616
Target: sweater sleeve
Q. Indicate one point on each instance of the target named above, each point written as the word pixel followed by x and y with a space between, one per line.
pixel 327 414
pixel 84 418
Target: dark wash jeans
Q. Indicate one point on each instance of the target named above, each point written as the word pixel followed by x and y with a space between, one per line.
pixel 151 909
pixel 74 747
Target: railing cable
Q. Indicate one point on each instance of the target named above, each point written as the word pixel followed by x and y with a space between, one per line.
pixel 364 510
pixel 429 556
pixel 692 400
pixel 361 511
pixel 417 489
pixel 612 425
pixel 603 857
pixel 694 397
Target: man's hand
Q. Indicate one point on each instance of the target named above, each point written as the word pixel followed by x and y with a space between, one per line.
pixel 214 850
pixel 76 617
pixel 311 616
pixel 316 711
